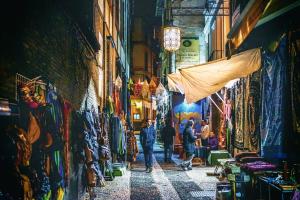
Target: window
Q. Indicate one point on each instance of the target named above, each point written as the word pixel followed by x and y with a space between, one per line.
pixel 136 116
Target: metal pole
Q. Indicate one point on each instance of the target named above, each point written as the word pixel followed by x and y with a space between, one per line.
pixel 216 105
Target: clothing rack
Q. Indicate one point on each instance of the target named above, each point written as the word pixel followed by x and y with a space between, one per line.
pixel 23 80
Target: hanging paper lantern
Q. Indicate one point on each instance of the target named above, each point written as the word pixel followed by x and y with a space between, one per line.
pixel 130 84
pixel 171 38
pixel 145 89
pixel 160 90
pixel 138 88
pixel 118 82
pixel 152 87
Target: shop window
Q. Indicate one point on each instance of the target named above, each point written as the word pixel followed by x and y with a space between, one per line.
pixel 136 116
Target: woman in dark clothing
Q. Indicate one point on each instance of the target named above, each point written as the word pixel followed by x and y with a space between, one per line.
pixel 212 141
pixel 188 145
pixel 212 145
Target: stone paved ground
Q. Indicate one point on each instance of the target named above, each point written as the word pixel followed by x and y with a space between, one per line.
pixel 167 181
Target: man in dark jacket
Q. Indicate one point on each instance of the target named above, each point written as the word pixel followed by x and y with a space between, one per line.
pixel 147 139
pixel 188 145
pixel 168 134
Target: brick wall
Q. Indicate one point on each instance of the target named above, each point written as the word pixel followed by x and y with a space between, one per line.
pixel 48 44
pixel 42 40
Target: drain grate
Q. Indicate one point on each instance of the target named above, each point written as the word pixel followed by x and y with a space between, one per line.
pixel 206 193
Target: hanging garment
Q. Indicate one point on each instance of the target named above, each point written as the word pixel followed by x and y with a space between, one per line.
pixel 239 117
pixel 33 132
pixel 66 135
pixel 132 148
pixel 115 126
pixel 253 111
pixel 295 87
pixel 53 100
pixel 273 95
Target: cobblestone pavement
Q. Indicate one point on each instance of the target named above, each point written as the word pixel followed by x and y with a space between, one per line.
pixel 167 181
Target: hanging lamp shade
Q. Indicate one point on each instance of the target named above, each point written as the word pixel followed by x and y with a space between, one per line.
pixel 130 84
pixel 160 90
pixel 171 38
pixel 152 87
pixel 138 88
pixel 118 82
pixel 145 89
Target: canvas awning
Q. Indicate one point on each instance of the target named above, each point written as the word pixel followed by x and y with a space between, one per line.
pixel 174 83
pixel 200 81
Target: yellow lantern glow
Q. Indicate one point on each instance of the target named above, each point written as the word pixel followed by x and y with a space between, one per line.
pixel 171 38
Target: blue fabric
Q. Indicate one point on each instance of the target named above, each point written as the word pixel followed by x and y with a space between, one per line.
pixel 52 99
pixel 274 80
pixel 115 126
pixel 148 153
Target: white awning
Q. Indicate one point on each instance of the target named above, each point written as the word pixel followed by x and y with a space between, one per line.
pixel 174 83
pixel 200 81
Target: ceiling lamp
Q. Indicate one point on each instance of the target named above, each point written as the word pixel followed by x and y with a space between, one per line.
pixel 171 38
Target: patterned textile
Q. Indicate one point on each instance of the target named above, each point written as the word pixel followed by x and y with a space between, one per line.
pixel 295 86
pixel 274 81
pixel 253 111
pixel 239 114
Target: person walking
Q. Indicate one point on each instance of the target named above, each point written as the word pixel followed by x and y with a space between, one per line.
pixel 168 134
pixel 147 139
pixel 188 145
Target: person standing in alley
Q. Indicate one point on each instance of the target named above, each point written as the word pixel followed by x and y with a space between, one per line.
pixel 147 139
pixel 188 145
pixel 204 132
pixel 168 134
pixel 132 148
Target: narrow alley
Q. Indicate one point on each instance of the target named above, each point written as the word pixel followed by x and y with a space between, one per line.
pixel 150 100
pixel 167 181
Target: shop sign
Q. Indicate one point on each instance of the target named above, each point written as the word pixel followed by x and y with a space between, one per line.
pixel 189 52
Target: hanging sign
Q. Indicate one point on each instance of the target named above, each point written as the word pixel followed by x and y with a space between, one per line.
pixel 189 52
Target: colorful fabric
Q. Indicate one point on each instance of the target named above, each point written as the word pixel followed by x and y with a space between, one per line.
pixel 238 112
pixel 258 166
pixel 132 148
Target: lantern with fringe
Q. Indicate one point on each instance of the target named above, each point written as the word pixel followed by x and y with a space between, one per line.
pixel 145 89
pixel 138 88
pixel 152 87
pixel 118 82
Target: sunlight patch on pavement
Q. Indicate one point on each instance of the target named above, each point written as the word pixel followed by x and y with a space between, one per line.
pixel 166 189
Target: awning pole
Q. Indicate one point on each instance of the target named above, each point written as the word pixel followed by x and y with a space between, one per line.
pixel 220 97
pixel 215 104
